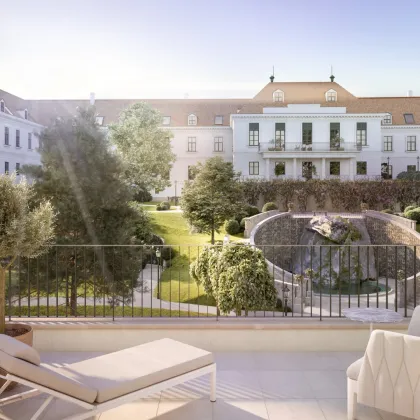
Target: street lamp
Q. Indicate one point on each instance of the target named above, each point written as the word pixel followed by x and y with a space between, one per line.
pixel 158 255
pixel 286 292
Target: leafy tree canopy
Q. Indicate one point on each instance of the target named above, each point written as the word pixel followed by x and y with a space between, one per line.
pixel 144 146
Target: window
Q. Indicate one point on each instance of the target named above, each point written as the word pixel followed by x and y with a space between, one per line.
pixel 307 133
pixel 361 168
pixel 192 144
pixel 17 168
pixel 218 144
pixel 280 135
pixel 26 114
pixel 278 96
pixel 254 168
pixel 1 106
pixel 387 143
pixel 280 168
pixel 334 135
pixel 334 168
pixel 30 141
pixel 218 119
pixel 166 120
pixel 6 167
pixel 254 134
pixel 191 172
pixel 386 171
pixel 331 96
pixel 192 119
pixel 361 134
pixel 411 144
pixel 411 168
pixel 17 138
pixel 409 118
pixel 99 120
pixel 387 120
pixel 6 136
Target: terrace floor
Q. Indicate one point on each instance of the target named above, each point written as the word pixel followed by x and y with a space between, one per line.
pixel 251 386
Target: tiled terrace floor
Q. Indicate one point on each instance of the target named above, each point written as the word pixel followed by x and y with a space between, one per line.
pixel 251 386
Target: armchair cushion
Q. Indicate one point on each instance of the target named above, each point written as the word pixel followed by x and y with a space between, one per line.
pixel 354 369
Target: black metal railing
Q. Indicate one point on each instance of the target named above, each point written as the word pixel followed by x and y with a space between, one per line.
pixel 154 281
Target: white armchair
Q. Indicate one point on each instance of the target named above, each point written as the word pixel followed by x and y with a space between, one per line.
pixel 388 376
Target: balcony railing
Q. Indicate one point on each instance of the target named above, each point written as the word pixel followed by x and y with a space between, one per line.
pixel 290 147
pixel 154 281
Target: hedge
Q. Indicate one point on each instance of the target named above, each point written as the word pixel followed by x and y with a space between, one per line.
pixel 346 195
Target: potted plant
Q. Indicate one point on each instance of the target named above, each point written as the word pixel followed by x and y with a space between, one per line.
pixel 25 231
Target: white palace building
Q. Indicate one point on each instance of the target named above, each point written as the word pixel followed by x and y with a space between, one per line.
pixel 285 130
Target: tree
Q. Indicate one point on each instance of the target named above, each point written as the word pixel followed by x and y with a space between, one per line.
pixel 24 231
pixel 144 146
pixel 214 196
pixel 409 175
pixel 83 179
pixel 237 277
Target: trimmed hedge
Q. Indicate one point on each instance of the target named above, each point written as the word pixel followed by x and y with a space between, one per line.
pixel 269 206
pixel 164 205
pixel 413 215
pixel 232 227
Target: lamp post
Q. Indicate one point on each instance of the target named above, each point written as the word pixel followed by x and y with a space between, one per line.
pixel 286 292
pixel 158 255
pixel 418 159
pixel 387 168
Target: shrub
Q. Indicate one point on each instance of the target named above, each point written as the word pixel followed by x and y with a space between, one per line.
pixel 269 206
pixel 164 205
pixel 413 214
pixel 142 195
pixel 388 211
pixel 242 225
pixel 251 211
pixel 232 227
pixel 408 208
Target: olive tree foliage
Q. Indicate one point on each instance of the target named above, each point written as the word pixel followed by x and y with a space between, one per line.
pixel 24 231
pixel 214 196
pixel 237 277
pixel 144 146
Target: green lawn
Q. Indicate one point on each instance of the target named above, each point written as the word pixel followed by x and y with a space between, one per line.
pixel 176 284
pixel 151 205
pixel 90 311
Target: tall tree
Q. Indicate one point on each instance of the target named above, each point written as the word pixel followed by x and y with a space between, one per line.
pixel 214 196
pixel 24 231
pixel 83 179
pixel 144 146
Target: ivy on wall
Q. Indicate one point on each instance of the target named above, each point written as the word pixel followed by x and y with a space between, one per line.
pixel 344 195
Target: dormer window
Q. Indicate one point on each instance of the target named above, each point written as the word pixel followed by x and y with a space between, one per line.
pixel 218 120
pixel 387 120
pixel 192 119
pixel 26 114
pixel 409 118
pixel 278 96
pixel 2 106
pixel 331 96
pixel 166 121
pixel 99 120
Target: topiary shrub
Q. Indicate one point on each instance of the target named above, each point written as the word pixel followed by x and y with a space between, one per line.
pixel 251 211
pixel 232 227
pixel 164 205
pixel 409 208
pixel 413 214
pixel 269 206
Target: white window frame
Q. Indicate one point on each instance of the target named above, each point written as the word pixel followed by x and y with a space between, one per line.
pixel 192 119
pixel 255 167
pixel 387 120
pixel 278 96
pixel 387 140
pixel 218 120
pixel 218 141
pixel 411 143
pixel 331 93
pixel 192 144
pixel 166 120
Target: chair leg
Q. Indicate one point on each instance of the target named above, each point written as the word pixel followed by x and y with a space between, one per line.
pixel 213 386
pixel 42 408
pixel 351 399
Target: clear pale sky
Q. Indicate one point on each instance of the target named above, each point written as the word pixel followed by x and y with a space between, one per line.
pixel 208 49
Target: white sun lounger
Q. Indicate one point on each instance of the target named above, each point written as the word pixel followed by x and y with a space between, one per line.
pixel 104 382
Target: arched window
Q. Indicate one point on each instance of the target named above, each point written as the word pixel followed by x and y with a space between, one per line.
pixel 331 95
pixel 278 96
pixel 192 119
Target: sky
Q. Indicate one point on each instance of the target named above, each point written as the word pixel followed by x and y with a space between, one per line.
pixel 205 49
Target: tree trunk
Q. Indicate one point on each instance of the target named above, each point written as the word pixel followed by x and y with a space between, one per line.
pixel 2 300
pixel 212 232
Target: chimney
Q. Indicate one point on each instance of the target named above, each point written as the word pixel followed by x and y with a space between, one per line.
pixel 409 93
pixel 92 98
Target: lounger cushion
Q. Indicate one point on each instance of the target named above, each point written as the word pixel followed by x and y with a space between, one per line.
pixel 16 348
pixel 47 377
pixel 132 369
pixel 354 369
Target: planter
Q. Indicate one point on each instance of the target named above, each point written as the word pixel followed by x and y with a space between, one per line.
pixel 26 336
